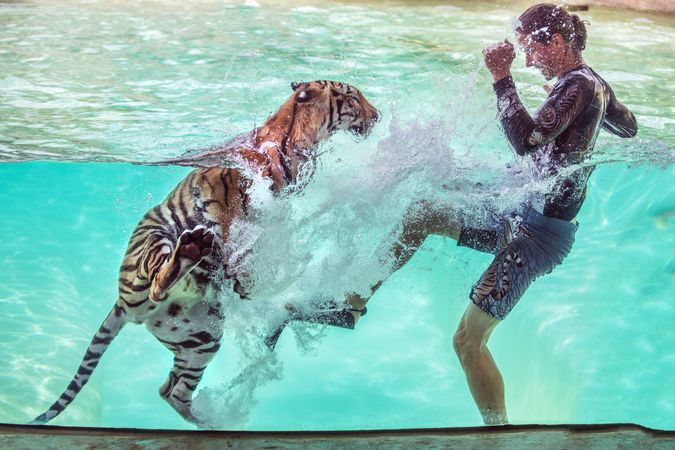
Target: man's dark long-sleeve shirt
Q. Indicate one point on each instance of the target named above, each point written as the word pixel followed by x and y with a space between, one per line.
pixel 563 131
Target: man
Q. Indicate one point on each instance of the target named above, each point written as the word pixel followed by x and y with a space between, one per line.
pixel 533 240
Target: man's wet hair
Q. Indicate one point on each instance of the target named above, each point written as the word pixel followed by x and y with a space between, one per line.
pixel 540 22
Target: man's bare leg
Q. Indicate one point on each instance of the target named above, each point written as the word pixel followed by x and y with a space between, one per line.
pixel 421 221
pixel 485 381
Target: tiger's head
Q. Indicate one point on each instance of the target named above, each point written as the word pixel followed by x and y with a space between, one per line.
pixel 311 114
pixel 335 105
pixel 289 137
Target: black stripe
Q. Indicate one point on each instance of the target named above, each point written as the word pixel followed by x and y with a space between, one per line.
pixel 175 218
pixel 159 228
pixel 191 369
pixel 134 305
pixel 190 344
pixel 141 287
pixel 133 247
pixel 125 291
pixel 184 211
pixel 155 217
pixel 57 407
pixel 170 385
pixel 105 340
pixel 91 355
pixel 203 336
pixel 208 182
pixel 191 377
pixel 168 223
pixel 118 310
pixel 185 344
pixel 210 350
pixel 206 203
pixel 134 287
pixel 330 115
pixel 84 371
pixel 153 262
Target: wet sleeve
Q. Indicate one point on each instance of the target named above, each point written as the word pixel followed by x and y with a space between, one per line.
pixel 618 119
pixel 526 133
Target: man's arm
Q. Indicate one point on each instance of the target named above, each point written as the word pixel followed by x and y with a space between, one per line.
pixel 619 120
pixel 526 133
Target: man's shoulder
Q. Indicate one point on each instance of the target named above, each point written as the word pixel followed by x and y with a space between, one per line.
pixel 583 75
pixel 582 79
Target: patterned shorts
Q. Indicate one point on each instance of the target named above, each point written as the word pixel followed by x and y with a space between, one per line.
pixel 526 246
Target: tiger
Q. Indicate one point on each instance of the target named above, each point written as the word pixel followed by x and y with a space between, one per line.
pixel 175 262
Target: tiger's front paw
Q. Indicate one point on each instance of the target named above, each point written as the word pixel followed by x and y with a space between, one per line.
pixel 195 244
pixel 192 246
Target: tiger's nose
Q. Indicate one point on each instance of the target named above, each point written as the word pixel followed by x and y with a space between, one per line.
pixel 376 116
pixel 370 122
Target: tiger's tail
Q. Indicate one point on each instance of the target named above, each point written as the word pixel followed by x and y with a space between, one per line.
pixel 108 330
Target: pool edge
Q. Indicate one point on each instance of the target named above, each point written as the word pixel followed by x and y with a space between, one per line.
pixel 612 435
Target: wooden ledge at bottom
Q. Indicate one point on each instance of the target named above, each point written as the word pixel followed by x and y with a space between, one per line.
pixel 610 436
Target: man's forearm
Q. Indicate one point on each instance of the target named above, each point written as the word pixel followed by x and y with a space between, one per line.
pixel 516 122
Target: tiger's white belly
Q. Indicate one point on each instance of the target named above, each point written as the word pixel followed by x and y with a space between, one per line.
pixel 190 308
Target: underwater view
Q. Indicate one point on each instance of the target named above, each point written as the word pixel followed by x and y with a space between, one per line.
pixel 96 97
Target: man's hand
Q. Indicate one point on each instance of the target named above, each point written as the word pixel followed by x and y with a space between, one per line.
pixel 498 59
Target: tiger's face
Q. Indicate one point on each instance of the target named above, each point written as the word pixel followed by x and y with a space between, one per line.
pixel 336 105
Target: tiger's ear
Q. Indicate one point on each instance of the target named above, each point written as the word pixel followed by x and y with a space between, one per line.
pixel 295 85
pixel 306 94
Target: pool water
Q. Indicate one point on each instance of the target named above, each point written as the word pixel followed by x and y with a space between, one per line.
pixel 87 88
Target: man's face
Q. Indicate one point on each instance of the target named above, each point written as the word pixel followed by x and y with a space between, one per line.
pixel 545 57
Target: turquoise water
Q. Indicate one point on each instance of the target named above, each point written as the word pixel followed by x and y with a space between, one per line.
pixel 108 84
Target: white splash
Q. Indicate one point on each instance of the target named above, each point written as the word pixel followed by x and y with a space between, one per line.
pixel 332 238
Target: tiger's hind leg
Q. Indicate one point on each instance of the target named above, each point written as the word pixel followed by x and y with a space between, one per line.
pixel 188 369
pixel 192 246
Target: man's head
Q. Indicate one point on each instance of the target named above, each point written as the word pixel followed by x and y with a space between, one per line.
pixel 550 37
